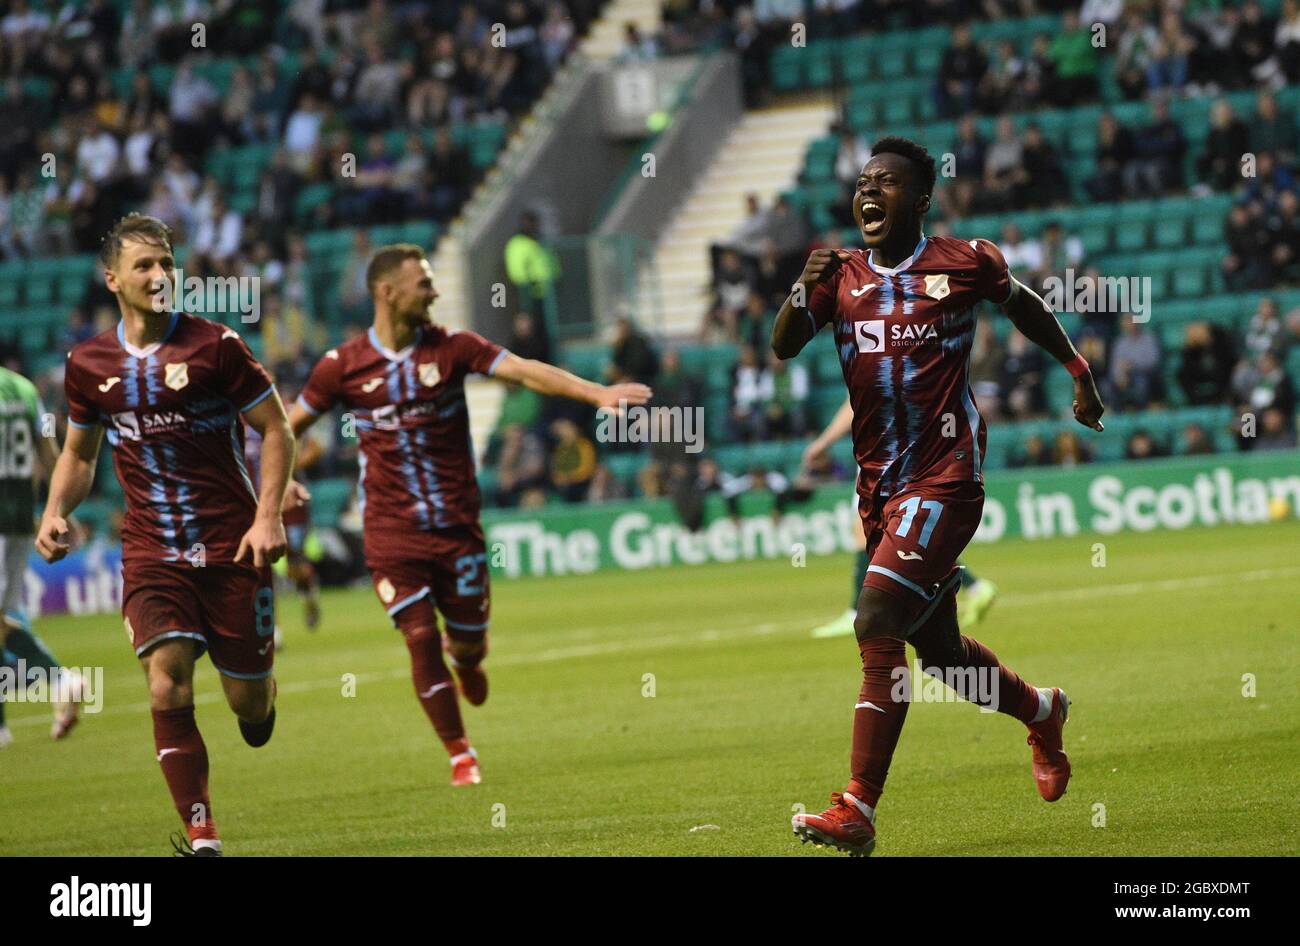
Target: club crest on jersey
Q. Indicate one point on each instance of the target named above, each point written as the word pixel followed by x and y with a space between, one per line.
pixel 386 591
pixel 429 374
pixel 176 376
pixel 936 287
pixel 870 335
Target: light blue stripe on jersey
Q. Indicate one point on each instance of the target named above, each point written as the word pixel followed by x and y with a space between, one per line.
pixel 131 380
pixel 257 400
pixel 411 473
pixel 972 418
pixel 492 368
pixel 887 411
pixel 361 482
pixel 239 460
pixel 909 293
pixel 881 570
pixel 409 600
pixel 158 496
pixel 183 501
pixel 410 469
pixel 463 627
pixel 915 419
pixel 430 476
pixel 152 386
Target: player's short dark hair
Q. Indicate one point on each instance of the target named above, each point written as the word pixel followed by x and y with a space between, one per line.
pixel 134 226
pixel 894 144
pixel 387 259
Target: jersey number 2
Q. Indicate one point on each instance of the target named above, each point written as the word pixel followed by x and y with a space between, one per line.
pixel 468 568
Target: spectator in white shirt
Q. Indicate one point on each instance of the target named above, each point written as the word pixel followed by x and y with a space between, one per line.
pixel 218 234
pixel 98 152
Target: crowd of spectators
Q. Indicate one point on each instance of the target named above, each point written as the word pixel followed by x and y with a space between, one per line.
pixel 362 70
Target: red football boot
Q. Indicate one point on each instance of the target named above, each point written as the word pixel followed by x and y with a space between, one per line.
pixel 843 826
pixel 464 769
pixel 1051 764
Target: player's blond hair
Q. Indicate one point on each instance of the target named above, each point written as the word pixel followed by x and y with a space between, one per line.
pixel 134 226
pixel 387 260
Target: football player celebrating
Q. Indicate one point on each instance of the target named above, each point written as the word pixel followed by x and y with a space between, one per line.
pixel 903 315
pixel 197 541
pixel 403 381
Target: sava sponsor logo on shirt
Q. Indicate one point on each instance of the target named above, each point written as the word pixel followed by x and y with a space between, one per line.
pixel 871 335
pixel 132 425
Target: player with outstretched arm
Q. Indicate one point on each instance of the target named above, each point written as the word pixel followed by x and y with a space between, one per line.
pixel 403 381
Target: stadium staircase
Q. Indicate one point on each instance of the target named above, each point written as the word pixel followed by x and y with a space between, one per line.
pixel 606 36
pixel 763 156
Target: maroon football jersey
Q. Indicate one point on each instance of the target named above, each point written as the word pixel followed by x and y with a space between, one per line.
pixel 417 463
pixel 904 338
pixel 170 412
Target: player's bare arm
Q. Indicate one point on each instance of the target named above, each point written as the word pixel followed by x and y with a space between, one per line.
pixel 265 541
pixel 793 328
pixel 839 426
pixel 307 453
pixel 551 381
pixel 74 472
pixel 1035 320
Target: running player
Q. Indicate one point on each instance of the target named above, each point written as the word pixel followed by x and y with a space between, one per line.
pixel 25 457
pixel 975 596
pixel 903 314
pixel 197 542
pixel 404 384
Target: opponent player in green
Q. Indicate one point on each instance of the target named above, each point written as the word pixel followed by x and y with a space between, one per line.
pixel 25 457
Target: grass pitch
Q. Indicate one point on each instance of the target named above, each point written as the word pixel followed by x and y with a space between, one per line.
pixel 749 716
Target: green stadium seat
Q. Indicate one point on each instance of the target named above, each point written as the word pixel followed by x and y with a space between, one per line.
pixel 787 68
pixel 891 63
pixel 1170 233
pixel 1207 229
pixel 1190 282
pixel 820 63
pixel 1130 236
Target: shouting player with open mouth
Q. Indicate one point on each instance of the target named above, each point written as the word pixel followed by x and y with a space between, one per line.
pixel 903 313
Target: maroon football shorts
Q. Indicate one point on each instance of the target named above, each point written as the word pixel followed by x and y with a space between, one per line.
pixel 448 565
pixel 915 537
pixel 228 609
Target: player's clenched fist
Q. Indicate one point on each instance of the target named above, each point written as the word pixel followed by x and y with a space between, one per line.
pixel 52 538
pixel 1087 402
pixel 821 266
